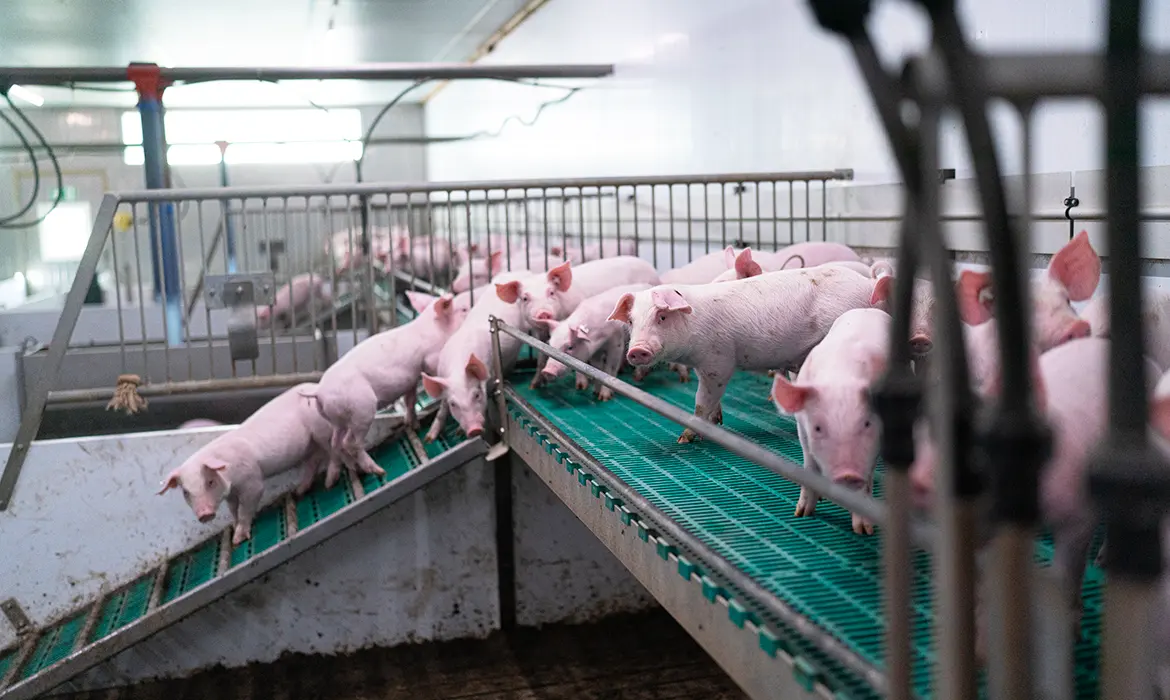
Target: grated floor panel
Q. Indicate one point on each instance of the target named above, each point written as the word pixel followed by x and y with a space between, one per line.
pixel 743 511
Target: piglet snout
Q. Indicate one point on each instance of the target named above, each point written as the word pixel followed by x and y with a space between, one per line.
pixel 1078 329
pixel 639 355
pixel 920 344
pixel 205 517
pixel 543 315
pixel 474 431
pixel 850 480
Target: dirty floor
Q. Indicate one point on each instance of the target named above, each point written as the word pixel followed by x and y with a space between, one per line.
pixel 644 656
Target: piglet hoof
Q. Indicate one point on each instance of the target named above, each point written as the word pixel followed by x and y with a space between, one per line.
pixel 240 536
pixel 537 382
pixel 582 384
pixel 718 417
pixel 806 505
pixel 640 374
pixel 303 489
pixel 684 372
pixel 604 394
pixel 862 526
pixel 687 436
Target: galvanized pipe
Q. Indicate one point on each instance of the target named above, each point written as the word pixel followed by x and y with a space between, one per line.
pixel 65 75
pixel 196 386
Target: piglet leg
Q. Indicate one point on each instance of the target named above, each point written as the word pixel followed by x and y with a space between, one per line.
pixel 861 526
pixel 683 372
pixel 309 469
pixel 249 503
pixel 708 399
pixel 438 423
pixel 806 505
pixel 408 401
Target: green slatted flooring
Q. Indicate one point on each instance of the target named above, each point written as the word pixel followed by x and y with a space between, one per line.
pixel 745 512
pixel 198 565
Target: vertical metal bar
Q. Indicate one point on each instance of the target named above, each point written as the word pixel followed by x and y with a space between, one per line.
pixel 581 222
pixel 206 309
pixel 690 227
pixel 759 219
pixel 141 296
pixel 601 225
pixel 269 266
pixel 738 190
pixel 824 210
pixel 723 214
pixel 368 282
pixel 617 210
pixel 497 369
pixel 637 216
pixel 355 288
pixel 670 205
pixel 186 318
pixel 791 214
pixel 291 259
pixel 775 218
pixel 328 227
pixel 38 394
pixel 707 217
pixel 654 222
pixel 808 210
pixel 544 218
pixel 163 310
pixel 118 299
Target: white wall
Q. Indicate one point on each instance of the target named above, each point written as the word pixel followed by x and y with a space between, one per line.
pixel 750 86
pixel 94 175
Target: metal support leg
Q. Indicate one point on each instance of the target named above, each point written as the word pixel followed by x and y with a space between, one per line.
pixel 229 230
pixel 163 245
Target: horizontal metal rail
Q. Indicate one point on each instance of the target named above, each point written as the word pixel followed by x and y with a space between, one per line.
pixel 766 601
pixel 875 511
pixel 356 190
pixel 64 75
pixel 197 386
pixel 1023 77
pixel 218 587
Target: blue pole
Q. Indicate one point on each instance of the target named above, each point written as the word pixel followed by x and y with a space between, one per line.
pixel 229 231
pixel 163 245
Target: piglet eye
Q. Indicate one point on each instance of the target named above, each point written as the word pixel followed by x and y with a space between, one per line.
pixel 867 423
pixel 211 483
pixel 817 428
pixel 661 318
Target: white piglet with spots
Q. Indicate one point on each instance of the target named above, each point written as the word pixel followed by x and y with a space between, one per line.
pixel 767 322
pixel 830 398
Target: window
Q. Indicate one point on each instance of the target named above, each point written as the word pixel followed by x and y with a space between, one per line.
pixel 65 231
pixel 256 136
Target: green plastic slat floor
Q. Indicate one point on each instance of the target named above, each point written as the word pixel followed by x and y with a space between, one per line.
pixel 198 565
pixel 745 512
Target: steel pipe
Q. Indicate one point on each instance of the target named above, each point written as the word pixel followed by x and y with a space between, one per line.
pixel 197 386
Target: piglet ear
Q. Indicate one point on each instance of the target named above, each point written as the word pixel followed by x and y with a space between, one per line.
pixel 509 291
pixel 433 386
pixel 1077 266
pixel 788 396
pixel 497 262
pixel 881 268
pixel 669 300
pixel 883 291
pixel 561 276
pixel 215 464
pixel 729 257
pixel 476 369
pixel 418 300
pixel 171 482
pixel 745 266
pixel 973 291
pixel 443 305
pixel 583 331
pixel 621 312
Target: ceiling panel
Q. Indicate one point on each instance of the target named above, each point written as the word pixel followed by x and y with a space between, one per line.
pixel 245 33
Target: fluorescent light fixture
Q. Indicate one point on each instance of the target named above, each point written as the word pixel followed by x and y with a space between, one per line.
pixel 258 136
pixel 22 93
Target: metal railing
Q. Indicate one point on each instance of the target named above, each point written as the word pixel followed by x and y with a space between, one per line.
pixel 230 337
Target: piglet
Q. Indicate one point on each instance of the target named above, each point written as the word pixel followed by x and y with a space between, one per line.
pixel 1071 383
pixel 476 272
pixel 283 433
pixel 1155 319
pixel 830 399
pixel 589 336
pixel 295 299
pixel 558 293
pixel 423 256
pixel 462 369
pixel 769 322
pixel 199 423
pixel 700 270
pixel 378 371
pixel 746 263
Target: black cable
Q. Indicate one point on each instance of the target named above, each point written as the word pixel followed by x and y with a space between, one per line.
pixel 36 170
pixel 56 169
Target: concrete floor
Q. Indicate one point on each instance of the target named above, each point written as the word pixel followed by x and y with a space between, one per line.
pixel 645 656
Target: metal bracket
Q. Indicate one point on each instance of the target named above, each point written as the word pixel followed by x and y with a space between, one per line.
pixel 16 616
pixel 241 289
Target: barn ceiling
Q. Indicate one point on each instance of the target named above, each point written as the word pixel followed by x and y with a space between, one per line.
pixel 245 33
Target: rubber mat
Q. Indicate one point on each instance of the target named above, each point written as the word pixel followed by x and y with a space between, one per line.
pixel 743 511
